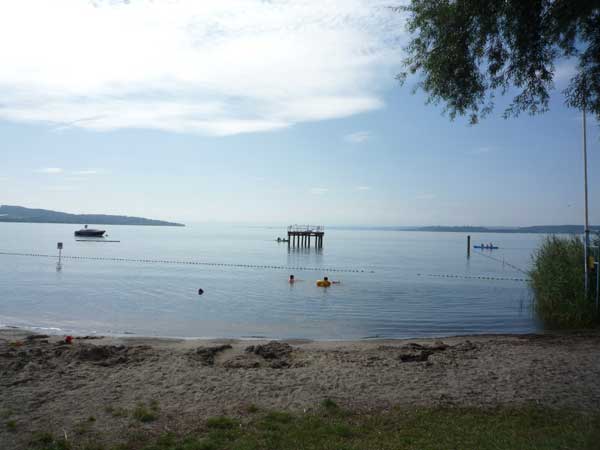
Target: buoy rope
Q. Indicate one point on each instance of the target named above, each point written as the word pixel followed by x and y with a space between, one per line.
pixel 194 263
pixel 471 277
pixel 503 262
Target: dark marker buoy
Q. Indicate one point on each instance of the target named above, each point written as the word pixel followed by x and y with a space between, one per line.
pixel 200 291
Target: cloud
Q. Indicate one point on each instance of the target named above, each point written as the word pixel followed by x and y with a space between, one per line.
pixel 357 138
pixel 363 188
pixel 318 190
pixel 87 172
pixel 207 67
pixel 50 170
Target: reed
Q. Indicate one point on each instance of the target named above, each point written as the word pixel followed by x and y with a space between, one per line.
pixel 557 281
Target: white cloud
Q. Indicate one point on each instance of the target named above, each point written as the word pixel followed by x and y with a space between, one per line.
pixel 208 67
pixel 87 172
pixel 363 188
pixel 50 170
pixel 357 138
pixel 318 190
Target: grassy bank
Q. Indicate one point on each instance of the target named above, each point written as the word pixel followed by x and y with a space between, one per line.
pixel 333 428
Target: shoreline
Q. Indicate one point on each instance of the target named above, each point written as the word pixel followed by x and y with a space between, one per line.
pixel 59 332
pixel 52 386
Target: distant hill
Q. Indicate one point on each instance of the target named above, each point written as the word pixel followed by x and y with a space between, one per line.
pixel 28 215
pixel 545 229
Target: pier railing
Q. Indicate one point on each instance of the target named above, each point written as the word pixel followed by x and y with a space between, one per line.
pixel 306 228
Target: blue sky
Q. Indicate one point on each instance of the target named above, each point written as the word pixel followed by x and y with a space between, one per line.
pixel 268 112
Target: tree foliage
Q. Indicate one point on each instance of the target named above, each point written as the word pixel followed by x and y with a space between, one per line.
pixel 468 51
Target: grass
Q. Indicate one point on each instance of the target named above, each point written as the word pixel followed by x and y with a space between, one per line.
pixel 251 408
pixel 116 411
pixel 47 441
pixel 11 425
pixel 145 413
pixel 398 429
pixel 221 423
pixel 557 281
pixel 329 405
pixel 84 426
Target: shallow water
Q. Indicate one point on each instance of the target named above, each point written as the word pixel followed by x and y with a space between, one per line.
pixel 401 288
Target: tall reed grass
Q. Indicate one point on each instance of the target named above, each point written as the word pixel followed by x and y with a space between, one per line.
pixel 557 281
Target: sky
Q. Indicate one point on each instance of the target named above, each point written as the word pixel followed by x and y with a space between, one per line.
pixel 263 112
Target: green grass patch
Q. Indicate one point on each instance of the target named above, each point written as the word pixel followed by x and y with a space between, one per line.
pixel 116 411
pixel 145 413
pixel 84 426
pixel 398 429
pixel 420 429
pixel 11 425
pixel 47 441
pixel 221 423
pixel 251 408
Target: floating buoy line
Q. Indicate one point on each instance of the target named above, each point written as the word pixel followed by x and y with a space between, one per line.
pixel 258 266
pixel 512 266
pixel 471 277
pixel 191 263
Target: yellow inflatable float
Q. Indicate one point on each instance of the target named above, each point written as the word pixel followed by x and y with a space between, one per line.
pixel 324 282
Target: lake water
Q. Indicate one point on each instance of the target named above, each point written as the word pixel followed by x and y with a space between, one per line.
pixel 401 288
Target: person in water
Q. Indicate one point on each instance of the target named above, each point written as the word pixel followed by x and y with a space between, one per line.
pixel 292 279
pixel 325 282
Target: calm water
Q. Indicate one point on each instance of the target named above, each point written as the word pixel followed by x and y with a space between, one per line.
pixel 396 296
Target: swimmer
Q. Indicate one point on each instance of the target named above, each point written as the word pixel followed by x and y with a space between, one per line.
pixel 326 282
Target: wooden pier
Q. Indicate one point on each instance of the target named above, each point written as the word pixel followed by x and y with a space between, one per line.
pixel 300 235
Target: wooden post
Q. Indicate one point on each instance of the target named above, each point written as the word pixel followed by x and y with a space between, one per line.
pixel 468 246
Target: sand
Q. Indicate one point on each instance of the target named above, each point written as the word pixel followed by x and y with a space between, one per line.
pixel 52 386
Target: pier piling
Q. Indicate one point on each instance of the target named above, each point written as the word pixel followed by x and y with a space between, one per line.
pixel 300 235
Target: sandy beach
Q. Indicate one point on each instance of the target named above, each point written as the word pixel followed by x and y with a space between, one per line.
pixel 52 386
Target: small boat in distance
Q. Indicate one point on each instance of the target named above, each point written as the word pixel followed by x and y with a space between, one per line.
pixel 89 232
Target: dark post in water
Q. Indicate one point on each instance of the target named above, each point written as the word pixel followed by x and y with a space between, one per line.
pixel 468 246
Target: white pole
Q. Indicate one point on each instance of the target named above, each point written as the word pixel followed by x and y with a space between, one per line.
pixel 586 230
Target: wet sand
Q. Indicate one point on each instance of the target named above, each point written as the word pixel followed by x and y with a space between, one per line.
pixel 52 386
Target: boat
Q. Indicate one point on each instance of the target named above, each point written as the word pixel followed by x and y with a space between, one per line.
pixel 89 232
pixel 486 247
